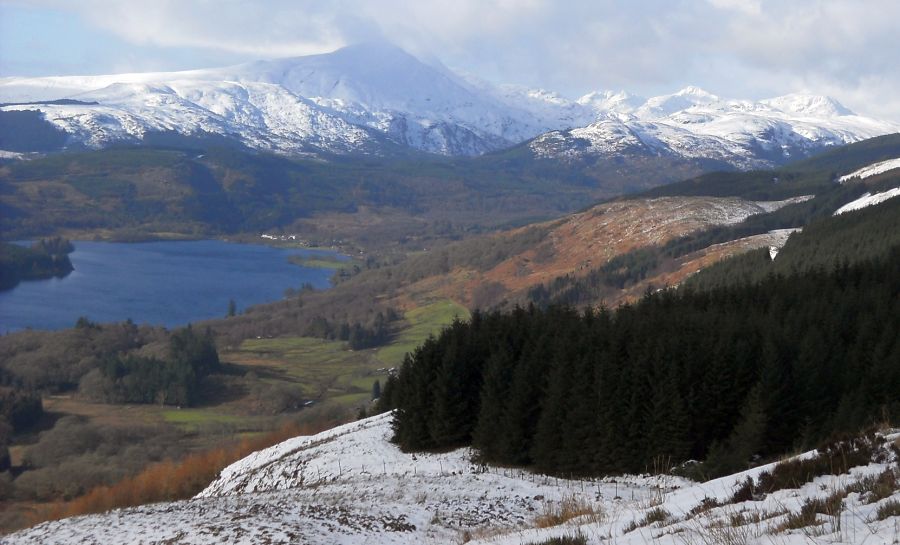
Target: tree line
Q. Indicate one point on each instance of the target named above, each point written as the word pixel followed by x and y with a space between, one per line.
pixel 724 375
pixel 43 259
pixel 173 380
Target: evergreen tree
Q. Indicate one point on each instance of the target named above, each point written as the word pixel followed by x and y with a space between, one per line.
pixel 376 390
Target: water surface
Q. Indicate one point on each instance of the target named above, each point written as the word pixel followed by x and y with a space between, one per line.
pixel 167 283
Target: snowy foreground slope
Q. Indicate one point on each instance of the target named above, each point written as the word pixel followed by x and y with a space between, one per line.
pixel 363 98
pixel 350 485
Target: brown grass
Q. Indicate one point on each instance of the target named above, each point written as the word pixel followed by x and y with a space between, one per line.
pixel 570 507
pixel 171 479
pixel 830 506
pixel 890 508
pixel 657 514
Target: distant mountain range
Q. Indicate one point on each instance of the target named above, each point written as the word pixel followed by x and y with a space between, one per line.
pixel 377 99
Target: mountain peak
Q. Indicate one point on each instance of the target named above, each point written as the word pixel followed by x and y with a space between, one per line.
pixel 697 92
pixel 665 105
pixel 381 50
pixel 614 101
pixel 808 105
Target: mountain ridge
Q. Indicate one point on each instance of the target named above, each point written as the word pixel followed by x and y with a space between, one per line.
pixel 342 102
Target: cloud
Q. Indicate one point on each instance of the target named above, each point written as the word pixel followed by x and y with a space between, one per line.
pixel 740 48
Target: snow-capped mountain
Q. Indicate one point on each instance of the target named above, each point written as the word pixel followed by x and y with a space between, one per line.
pixel 693 123
pixel 361 98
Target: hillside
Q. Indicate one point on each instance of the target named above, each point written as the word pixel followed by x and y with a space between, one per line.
pixel 350 485
pixel 609 253
pixel 176 190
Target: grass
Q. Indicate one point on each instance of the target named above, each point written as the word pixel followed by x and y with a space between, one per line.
pixel 565 540
pixel 888 509
pixel 321 263
pixel 195 417
pixel 322 369
pixel 556 513
pixel 423 321
pixel 657 514
pixel 833 458
pixel 325 369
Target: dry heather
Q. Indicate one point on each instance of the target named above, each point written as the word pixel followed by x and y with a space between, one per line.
pixel 171 479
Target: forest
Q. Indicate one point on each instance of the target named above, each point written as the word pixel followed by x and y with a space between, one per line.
pixel 731 373
pixel 114 363
pixel 43 259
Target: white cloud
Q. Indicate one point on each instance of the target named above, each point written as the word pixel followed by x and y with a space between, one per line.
pixel 752 7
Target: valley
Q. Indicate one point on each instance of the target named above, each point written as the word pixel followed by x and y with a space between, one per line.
pixel 287 355
pixel 361 296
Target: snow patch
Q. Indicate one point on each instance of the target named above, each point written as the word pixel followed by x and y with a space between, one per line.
pixel 778 238
pixel 871 170
pixel 868 200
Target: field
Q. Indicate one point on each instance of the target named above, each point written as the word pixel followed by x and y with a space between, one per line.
pixel 329 370
pixel 321 369
pixel 423 321
pixel 321 262
pixel 268 383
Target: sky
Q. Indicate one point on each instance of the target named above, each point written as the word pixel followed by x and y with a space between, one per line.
pixel 847 49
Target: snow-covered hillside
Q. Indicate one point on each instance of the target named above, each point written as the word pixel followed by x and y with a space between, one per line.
pixel 346 485
pixel 868 200
pixel 350 485
pixel 362 98
pixel 871 170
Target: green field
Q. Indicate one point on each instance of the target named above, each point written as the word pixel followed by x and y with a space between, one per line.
pixel 321 263
pixel 329 370
pixel 322 369
pixel 423 321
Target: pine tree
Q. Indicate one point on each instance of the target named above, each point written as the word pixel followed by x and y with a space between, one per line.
pixel 376 390
pixel 488 432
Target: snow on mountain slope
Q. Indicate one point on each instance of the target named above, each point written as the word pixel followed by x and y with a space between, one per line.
pixel 608 101
pixel 707 514
pixel 666 105
pixel 807 105
pixel 872 170
pixel 320 101
pixel 868 200
pixel 345 486
pixel 354 99
pixel 696 124
pixel 350 485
